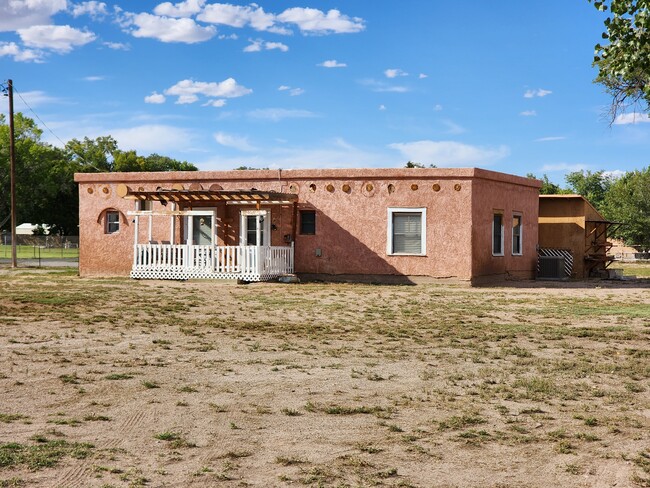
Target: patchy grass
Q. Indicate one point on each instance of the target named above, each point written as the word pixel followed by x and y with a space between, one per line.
pixel 322 384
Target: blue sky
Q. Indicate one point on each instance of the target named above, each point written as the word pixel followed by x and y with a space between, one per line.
pixel 501 85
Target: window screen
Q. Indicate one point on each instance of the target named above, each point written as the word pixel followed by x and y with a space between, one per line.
pixel 407 233
pixel 308 222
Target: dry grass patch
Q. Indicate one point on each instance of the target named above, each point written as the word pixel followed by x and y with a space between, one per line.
pixel 141 383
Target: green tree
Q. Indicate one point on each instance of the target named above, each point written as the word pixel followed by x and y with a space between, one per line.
pixel 593 186
pixel 411 164
pixel 624 61
pixel 156 162
pixel 45 190
pixel 548 187
pixel 93 155
pixel 247 168
pixel 628 201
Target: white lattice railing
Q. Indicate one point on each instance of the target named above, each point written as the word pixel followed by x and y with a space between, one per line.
pixel 185 260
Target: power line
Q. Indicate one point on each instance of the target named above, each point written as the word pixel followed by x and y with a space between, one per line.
pixel 39 119
pixel 50 130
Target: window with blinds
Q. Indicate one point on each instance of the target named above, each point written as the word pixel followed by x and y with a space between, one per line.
pixel 406 231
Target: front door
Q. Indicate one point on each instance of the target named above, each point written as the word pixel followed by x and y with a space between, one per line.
pixel 202 230
pixel 254 228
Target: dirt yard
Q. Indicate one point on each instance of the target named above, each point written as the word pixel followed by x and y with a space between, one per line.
pixel 115 383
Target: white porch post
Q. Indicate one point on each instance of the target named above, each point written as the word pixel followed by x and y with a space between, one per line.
pixel 136 229
pixel 190 230
pixel 213 250
pixel 171 225
pixel 150 226
pixel 258 230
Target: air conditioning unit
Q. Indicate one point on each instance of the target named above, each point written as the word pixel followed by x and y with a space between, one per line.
pixel 551 268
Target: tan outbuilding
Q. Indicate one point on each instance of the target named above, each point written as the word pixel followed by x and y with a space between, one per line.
pixel 571 227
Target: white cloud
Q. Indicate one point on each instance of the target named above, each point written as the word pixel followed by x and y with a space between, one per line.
pixel 314 21
pixel 450 153
pixel 614 174
pixel 453 128
pixel 631 118
pixel 564 167
pixel 22 14
pixel 230 140
pixel 238 16
pixel 539 92
pixel 383 87
pixel 528 113
pixel 294 92
pixel 12 49
pixel 187 91
pixel 118 46
pixel 181 9
pixel 34 99
pixel 60 38
pixel 94 78
pixel 336 153
pixel 382 107
pixel 258 45
pixel 167 29
pixel 394 73
pixel 152 138
pixel 155 97
pixel 550 138
pixel 277 114
pixel 332 63
pixel 422 76
pixel 437 108
pixel 92 8
pixel 276 45
pixel 218 103
pixel 186 99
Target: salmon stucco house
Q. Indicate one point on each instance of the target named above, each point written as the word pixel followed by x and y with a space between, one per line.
pixel 470 224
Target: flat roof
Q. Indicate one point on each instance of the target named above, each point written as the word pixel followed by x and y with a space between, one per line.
pixel 170 177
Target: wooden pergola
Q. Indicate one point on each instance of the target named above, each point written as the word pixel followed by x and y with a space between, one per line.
pixel 174 261
pixel 199 197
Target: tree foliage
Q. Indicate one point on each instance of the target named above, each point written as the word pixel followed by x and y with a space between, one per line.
pixel 45 188
pixel 593 186
pixel 628 201
pixel 548 187
pixel 623 62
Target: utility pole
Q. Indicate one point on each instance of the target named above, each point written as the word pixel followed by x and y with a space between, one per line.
pixel 12 172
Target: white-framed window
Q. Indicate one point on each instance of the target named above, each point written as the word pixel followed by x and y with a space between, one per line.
pixel 407 231
pixel 255 228
pixel 517 242
pixel 497 234
pixel 143 205
pixel 112 222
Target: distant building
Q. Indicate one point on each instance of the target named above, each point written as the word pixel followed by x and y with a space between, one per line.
pixel 27 229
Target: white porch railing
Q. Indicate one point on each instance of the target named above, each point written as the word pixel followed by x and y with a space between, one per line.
pixel 184 261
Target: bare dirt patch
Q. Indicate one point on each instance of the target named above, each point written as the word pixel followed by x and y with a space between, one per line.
pixel 140 383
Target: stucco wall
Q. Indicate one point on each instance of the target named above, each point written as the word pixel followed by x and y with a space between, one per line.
pixel 509 199
pixel 351 226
